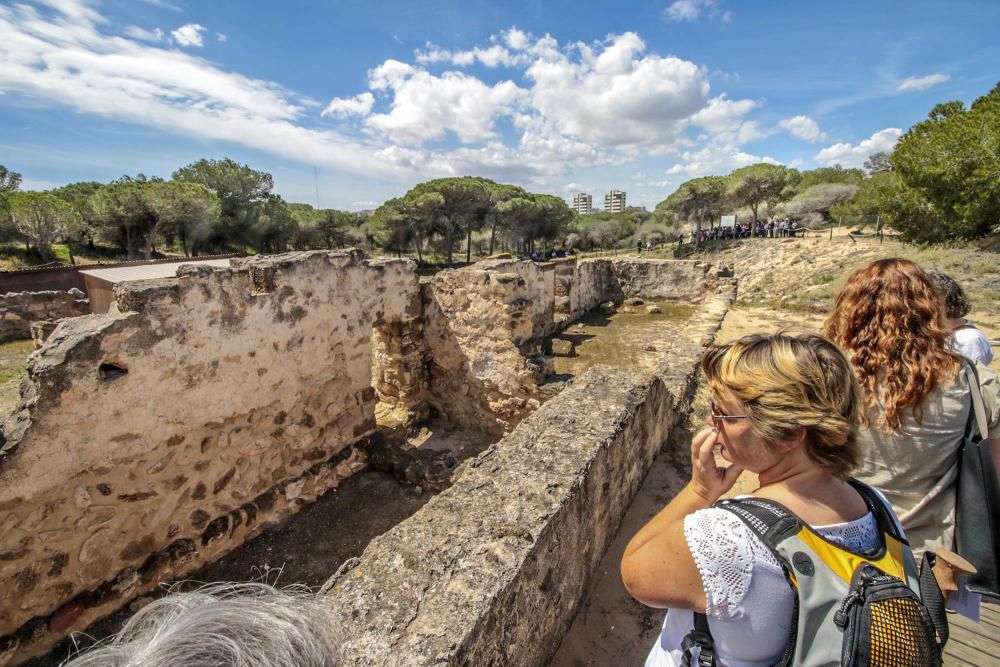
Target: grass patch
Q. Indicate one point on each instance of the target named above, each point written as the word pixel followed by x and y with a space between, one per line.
pixel 13 360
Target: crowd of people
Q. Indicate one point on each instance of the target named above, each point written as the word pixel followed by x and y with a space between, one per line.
pixel 854 434
pixel 762 229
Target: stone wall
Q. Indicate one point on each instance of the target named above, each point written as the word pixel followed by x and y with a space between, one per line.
pixel 155 439
pixel 491 571
pixel 18 310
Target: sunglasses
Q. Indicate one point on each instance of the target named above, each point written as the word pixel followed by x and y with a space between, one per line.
pixel 718 418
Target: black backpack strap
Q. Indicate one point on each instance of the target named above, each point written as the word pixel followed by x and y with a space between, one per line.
pixel 772 522
pixel 700 636
pixel 933 598
pixel 883 515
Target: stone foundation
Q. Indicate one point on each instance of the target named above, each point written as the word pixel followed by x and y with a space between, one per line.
pixel 18 310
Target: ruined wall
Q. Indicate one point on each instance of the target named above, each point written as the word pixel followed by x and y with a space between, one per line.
pixel 155 439
pixel 492 571
pixel 18 310
pixel 475 324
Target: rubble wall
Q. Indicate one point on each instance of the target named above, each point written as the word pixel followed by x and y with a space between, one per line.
pixel 154 439
pixel 492 571
pixel 18 310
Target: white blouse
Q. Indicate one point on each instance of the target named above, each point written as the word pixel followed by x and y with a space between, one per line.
pixel 749 603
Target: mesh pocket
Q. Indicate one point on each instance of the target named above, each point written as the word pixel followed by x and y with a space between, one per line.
pixel 900 634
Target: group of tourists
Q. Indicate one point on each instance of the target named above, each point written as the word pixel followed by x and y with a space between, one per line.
pixel 855 437
pixel 762 229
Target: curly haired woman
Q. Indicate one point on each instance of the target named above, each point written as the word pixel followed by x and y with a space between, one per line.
pixel 890 319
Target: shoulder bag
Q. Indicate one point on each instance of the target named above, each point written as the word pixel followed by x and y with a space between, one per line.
pixel 977 512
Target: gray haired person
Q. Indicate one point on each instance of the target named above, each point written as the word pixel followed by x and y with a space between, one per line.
pixel 221 625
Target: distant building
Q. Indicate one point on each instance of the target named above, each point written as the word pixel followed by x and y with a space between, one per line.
pixel 614 202
pixel 366 212
pixel 583 203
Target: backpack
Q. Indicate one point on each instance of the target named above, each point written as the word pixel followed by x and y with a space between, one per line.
pixel 850 609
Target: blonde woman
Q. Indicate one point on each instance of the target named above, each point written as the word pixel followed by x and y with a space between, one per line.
pixel 890 319
pixel 786 408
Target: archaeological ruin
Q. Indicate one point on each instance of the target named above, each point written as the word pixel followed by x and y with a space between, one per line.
pixel 202 409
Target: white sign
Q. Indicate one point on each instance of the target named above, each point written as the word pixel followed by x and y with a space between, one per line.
pixel 729 221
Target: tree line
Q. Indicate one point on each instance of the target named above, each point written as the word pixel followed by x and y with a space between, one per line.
pixel 940 183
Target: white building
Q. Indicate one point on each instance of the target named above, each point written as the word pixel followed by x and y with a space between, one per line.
pixel 614 201
pixel 583 203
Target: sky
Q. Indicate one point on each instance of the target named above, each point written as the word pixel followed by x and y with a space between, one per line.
pixel 348 103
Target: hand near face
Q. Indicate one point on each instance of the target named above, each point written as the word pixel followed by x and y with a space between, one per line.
pixel 709 480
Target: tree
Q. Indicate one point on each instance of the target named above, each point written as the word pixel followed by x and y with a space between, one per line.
pixel 10 181
pixel 952 161
pixel 185 211
pixel 243 194
pixel 41 217
pixel 698 201
pixel 751 186
pixel 78 195
pixel 878 163
pixel 813 205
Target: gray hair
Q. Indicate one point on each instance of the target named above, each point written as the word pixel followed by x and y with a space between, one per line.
pixel 224 624
pixel 955 302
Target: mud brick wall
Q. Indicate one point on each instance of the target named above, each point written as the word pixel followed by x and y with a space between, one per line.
pixel 154 440
pixel 18 310
pixel 492 570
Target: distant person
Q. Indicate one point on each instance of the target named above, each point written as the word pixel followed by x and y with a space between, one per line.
pixel 890 319
pixel 786 408
pixel 638 246
pixel 969 341
pixel 649 246
pixel 223 625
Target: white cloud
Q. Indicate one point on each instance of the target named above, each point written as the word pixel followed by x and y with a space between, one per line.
pixel 143 35
pixel 163 4
pixel 221 38
pixel 913 83
pixel 359 105
pixel 848 155
pixel 424 107
pixel 613 95
pixel 64 59
pixel 711 160
pixel 692 10
pixel 803 127
pixel 188 34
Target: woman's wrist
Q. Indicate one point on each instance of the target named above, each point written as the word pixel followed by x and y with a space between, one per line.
pixel 706 495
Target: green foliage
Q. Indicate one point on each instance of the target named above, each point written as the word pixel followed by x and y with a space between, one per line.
pixel 759 183
pixel 10 181
pixel 949 167
pixel 41 217
pixel 825 175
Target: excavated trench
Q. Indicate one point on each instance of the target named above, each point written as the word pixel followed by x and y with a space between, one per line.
pixel 410 463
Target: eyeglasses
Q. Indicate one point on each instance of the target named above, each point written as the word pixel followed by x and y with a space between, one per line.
pixel 716 417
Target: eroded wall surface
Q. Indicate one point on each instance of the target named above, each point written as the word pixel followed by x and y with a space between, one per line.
pixel 155 439
pixel 18 310
pixel 491 571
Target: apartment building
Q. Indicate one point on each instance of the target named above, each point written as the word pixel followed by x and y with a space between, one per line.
pixel 583 203
pixel 614 201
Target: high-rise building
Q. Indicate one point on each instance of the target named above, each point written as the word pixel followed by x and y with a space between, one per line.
pixel 583 203
pixel 614 201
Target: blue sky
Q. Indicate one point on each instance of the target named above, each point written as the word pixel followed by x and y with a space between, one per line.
pixel 366 99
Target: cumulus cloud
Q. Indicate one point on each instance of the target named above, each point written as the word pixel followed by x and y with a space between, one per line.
pixel 359 105
pixel 803 127
pixel 850 155
pixel 692 10
pixel 712 160
pixel 913 83
pixel 425 106
pixel 188 34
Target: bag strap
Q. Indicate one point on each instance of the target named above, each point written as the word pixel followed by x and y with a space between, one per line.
pixel 933 598
pixel 978 411
pixel 700 636
pixel 883 515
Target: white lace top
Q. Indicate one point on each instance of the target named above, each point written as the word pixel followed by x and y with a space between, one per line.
pixel 749 603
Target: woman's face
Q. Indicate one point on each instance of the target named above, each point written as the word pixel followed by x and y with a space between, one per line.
pixel 738 443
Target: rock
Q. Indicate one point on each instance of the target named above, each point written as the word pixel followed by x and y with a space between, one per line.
pixel 653 309
pixel 634 301
pixel 607 308
pixel 581 326
pixel 628 309
pixel 563 348
pixel 650 348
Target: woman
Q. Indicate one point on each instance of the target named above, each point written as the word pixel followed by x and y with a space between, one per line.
pixel 968 340
pixel 785 408
pixel 891 321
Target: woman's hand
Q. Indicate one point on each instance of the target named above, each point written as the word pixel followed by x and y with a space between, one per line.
pixel 708 480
